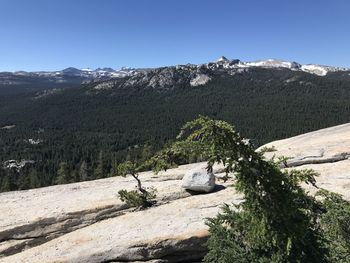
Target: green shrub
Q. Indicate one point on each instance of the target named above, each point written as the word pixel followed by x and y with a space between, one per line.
pixel 142 197
pixel 137 199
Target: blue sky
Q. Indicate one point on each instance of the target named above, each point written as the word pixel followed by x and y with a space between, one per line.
pixel 50 35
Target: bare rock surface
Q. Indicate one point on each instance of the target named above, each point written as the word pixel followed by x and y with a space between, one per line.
pixel 173 231
pixel 200 79
pixel 326 151
pixel 34 217
pixel 86 222
pixel 322 146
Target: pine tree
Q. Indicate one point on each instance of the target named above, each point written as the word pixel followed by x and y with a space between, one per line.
pixel 34 181
pixel 23 181
pixel 101 171
pixel 276 222
pixel 83 171
pixel 9 181
pixel 142 197
pixel 63 174
pixel 5 183
pixel 146 152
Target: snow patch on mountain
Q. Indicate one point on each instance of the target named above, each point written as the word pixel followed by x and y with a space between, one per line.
pixel 274 63
pixel 196 74
pixel 320 69
pixel 62 76
pixel 86 69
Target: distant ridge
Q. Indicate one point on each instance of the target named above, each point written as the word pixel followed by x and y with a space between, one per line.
pixel 316 69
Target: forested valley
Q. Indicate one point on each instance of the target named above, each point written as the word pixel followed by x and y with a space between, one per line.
pixel 82 133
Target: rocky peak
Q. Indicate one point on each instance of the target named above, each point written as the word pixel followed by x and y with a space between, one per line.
pixel 222 59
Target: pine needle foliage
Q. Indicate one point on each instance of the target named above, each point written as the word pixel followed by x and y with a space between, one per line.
pixel 141 197
pixel 276 222
pixel 335 224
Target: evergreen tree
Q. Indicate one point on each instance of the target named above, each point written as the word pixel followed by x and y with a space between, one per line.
pixel 142 197
pixel 335 224
pixel 23 182
pixel 83 172
pixel 75 177
pixel 276 222
pixel 34 181
pixel 101 169
pixel 146 152
pixel 63 174
pixel 5 183
pixel 114 169
pixel 9 181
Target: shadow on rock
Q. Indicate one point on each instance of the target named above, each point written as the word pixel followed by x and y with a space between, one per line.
pixel 217 188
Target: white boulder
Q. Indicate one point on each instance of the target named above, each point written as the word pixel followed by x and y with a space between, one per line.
pixel 199 180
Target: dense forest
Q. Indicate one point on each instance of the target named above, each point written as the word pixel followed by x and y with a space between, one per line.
pixel 81 133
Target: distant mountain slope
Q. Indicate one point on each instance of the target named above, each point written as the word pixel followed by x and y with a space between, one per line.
pixel 21 81
pixel 16 82
pixel 102 122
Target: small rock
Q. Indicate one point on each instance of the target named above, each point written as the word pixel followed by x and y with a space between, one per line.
pixel 199 180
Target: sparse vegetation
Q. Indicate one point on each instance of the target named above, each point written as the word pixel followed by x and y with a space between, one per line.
pixel 142 197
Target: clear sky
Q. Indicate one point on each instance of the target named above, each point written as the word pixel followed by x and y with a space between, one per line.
pixel 55 34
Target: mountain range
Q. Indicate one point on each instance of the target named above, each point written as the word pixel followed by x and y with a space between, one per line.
pixel 86 121
pixel 38 80
pixel 19 81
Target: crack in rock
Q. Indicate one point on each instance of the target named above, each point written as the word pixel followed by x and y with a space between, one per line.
pixel 45 230
pixel 42 231
pixel 170 250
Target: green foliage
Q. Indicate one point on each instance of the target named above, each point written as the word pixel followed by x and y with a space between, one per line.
pixel 335 224
pixel 141 197
pixel 137 199
pixel 29 181
pixel 83 172
pixel 8 181
pixel 266 149
pixel 276 222
pixel 34 181
pixel 63 174
pixel 126 168
pixel 78 123
pixel 102 168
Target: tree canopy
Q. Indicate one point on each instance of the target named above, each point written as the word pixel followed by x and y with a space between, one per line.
pixel 277 221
